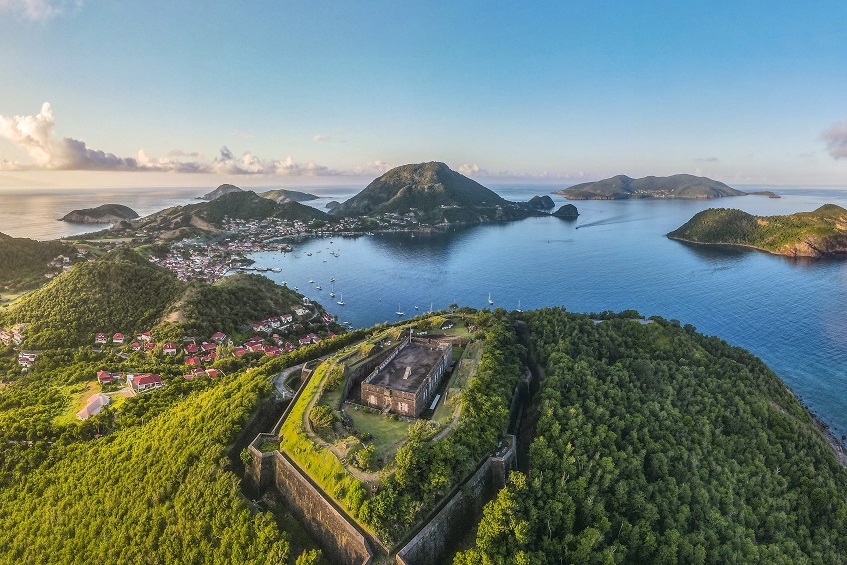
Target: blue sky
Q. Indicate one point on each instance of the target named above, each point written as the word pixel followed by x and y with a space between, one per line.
pixel 322 92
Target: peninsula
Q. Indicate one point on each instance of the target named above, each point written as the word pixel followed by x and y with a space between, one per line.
pixel 104 214
pixel 804 234
pixel 622 187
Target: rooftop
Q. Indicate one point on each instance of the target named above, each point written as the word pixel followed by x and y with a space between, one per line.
pixel 408 370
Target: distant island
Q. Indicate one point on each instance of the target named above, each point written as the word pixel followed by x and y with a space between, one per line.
pixel 220 191
pixel 431 194
pixel 622 187
pixel 567 211
pixel 285 195
pixel 105 214
pixel 767 193
pixel 804 234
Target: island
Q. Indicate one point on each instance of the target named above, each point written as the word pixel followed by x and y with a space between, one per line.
pixel 430 194
pixel 804 234
pixel 566 212
pixel 220 191
pixel 104 214
pixel 622 187
pixel 768 193
pixel 285 195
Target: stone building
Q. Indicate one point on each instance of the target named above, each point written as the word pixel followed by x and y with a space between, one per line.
pixel 405 382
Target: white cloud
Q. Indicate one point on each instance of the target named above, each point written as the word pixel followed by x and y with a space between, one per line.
pixel 35 135
pixel 372 168
pixel 33 9
pixel 473 170
pixel 322 137
pixel 836 140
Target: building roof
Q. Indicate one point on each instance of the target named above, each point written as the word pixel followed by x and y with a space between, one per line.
pixel 95 404
pixel 408 370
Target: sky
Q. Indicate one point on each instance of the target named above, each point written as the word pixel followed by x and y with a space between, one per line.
pixel 299 93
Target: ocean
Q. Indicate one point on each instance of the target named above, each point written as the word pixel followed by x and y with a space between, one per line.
pixel 615 256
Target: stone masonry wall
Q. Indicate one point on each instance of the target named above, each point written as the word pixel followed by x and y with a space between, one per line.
pixel 341 541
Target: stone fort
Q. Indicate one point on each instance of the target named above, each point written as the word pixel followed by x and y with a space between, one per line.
pixel 406 381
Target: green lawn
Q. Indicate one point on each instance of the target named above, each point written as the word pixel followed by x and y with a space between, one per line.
pixel 465 369
pixel 389 435
pixel 81 393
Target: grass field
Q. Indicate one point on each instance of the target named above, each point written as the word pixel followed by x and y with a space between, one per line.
pixel 389 435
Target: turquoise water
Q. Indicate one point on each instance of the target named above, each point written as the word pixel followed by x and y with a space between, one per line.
pixel 791 313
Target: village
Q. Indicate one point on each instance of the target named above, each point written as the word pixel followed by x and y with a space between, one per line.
pixel 271 337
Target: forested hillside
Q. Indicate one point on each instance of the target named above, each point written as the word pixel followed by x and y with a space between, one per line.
pixel 155 493
pixel 811 234
pixel 119 292
pixel 23 261
pixel 655 444
pixel 233 301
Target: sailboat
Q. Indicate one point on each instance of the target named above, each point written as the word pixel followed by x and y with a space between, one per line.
pixel 399 312
pixel 489 299
pixel 332 291
pixel 519 306
pixel 341 302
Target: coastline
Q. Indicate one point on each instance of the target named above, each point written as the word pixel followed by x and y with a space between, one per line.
pixel 834 443
pixel 748 246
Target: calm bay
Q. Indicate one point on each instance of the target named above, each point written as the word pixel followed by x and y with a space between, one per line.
pixel 791 313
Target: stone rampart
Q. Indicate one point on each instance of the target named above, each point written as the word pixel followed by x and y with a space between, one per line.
pixel 340 540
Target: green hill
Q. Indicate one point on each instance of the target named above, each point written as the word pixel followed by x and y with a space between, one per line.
pixel 24 262
pixel 119 292
pixel 435 193
pixel 622 187
pixel 285 195
pixel 207 217
pixel 220 191
pixel 655 444
pixel 809 234
pixel 233 301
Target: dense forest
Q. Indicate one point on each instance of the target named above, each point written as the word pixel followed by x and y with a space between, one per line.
pixel 655 444
pixel 805 233
pixel 120 292
pixel 153 493
pixel 24 262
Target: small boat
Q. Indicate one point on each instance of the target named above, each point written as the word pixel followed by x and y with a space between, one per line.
pixel 311 281
pixel 341 302
pixel 332 279
pixel 318 287
pixel 276 270
pixel 399 312
pixel 309 254
pixel 284 283
pixel 296 289
pixel 489 299
pixel 416 307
